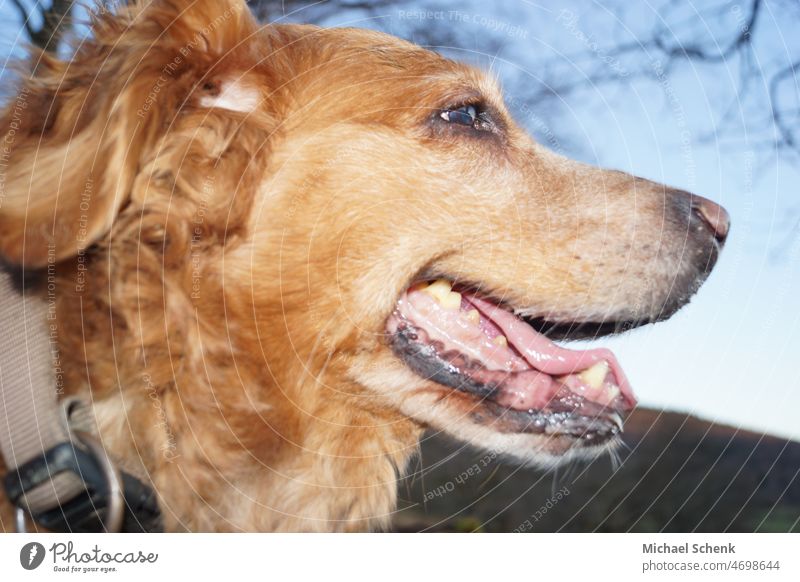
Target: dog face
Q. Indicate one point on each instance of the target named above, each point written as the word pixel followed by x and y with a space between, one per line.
pixel 410 170
pixel 319 240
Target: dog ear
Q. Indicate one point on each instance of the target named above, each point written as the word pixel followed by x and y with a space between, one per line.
pixel 78 130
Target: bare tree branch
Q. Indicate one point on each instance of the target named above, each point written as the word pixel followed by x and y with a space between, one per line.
pixel 697 52
pixel 54 23
pixel 785 128
pixel 24 17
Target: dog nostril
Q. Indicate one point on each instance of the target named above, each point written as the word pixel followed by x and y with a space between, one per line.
pixel 714 215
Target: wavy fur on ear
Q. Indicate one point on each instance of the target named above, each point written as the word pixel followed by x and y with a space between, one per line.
pixel 131 192
pixel 80 130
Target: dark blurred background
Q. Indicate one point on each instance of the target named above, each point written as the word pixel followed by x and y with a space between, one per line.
pixel 676 474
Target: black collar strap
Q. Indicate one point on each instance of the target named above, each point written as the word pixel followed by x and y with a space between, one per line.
pixel 111 501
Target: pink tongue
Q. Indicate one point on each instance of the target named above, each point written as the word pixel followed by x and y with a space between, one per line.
pixel 544 355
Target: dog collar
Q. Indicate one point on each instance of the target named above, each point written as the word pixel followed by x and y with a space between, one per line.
pixel 59 475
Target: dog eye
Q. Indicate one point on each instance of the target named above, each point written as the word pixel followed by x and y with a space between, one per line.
pixel 475 116
pixel 466 115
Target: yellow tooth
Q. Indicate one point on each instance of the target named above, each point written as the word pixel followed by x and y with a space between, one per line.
pixel 596 375
pixel 500 340
pixel 451 301
pixel 439 289
pixel 473 316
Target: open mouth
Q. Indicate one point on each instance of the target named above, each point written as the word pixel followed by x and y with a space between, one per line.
pixel 520 379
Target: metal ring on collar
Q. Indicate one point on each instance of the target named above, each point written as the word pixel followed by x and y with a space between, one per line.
pixel 115 510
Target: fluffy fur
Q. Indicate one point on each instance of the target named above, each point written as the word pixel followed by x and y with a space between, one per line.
pixel 230 212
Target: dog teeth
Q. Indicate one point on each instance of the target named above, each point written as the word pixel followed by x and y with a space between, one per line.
pixel 500 340
pixel 441 290
pixel 473 316
pixel 452 301
pixel 595 376
pixel 438 289
pixel 612 392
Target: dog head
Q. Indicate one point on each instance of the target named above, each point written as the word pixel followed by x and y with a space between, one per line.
pixel 340 227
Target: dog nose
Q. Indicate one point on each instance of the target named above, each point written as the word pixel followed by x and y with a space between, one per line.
pixel 713 215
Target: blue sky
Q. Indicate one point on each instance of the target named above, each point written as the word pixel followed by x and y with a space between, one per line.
pixel 732 355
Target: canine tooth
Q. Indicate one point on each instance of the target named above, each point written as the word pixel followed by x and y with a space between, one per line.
pixel 596 375
pixel 500 340
pixel 439 289
pixel 473 316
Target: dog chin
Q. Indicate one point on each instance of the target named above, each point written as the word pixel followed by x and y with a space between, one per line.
pixel 461 417
pixel 531 450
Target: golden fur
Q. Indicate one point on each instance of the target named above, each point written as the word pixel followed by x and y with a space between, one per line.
pixel 231 212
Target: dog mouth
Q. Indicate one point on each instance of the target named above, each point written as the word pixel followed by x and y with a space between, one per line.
pixel 520 381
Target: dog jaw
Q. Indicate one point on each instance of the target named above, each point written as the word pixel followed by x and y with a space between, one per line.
pixel 454 413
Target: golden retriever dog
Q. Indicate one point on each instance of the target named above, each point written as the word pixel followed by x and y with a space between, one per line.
pixel 283 252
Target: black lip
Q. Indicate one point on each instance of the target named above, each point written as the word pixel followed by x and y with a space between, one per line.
pixel 582 330
pixel 568 415
pixel 578 330
pixel 584 428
